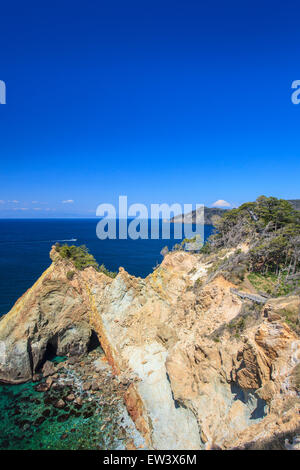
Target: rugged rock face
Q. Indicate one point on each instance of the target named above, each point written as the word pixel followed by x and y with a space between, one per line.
pixel 192 384
pixel 52 317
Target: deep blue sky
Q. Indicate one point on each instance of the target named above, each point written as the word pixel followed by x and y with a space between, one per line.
pixel 163 101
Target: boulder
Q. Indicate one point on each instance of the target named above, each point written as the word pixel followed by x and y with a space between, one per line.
pixel 43 387
pixel 48 369
pixel 70 397
pixel 60 404
pixel 87 386
pixel 78 401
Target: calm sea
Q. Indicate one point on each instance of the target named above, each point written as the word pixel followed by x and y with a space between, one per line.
pixel 25 246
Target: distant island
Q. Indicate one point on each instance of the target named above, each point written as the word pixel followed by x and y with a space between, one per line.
pixel 213 214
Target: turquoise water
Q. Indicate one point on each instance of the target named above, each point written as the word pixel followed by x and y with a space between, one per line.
pixel 30 420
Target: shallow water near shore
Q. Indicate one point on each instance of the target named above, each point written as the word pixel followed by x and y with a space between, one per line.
pixel 30 419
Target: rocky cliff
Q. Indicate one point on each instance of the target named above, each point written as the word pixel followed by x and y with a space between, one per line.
pixel 204 367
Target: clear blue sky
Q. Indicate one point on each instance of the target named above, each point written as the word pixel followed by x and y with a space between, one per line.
pixel 163 101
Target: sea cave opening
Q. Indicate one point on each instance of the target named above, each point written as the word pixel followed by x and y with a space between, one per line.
pixel 94 342
pixel 50 352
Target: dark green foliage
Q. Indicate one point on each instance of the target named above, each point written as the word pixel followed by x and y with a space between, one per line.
pixel 70 275
pixel 177 247
pixel 79 255
pixel 272 284
pixel 272 229
pixel 102 269
pixel 81 258
pixel 206 248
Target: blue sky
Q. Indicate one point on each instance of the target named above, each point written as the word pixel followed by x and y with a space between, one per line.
pixel 162 101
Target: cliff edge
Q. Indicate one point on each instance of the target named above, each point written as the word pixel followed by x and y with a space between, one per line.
pixel 209 362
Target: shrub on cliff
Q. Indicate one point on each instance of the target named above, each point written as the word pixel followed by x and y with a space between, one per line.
pixel 81 258
pixel 271 228
pixel 104 270
pixel 70 275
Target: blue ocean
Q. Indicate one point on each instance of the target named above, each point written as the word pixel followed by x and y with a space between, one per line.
pixel 25 246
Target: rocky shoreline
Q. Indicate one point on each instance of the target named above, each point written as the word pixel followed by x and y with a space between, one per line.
pixel 70 392
pixel 196 365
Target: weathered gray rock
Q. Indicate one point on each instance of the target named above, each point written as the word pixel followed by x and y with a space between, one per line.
pixel 48 369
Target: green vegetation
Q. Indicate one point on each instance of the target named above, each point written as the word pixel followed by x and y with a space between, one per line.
pixel 237 325
pixel 198 282
pixel 102 269
pixel 272 226
pixel 271 229
pixel 292 319
pixel 187 245
pixel 272 284
pixel 70 275
pixel 81 259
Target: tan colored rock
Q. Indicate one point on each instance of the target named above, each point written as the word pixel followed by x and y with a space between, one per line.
pixel 53 313
pixel 49 381
pixel 267 391
pixel 48 369
pixel 186 388
pixel 78 401
pixel 283 304
pixel 70 397
pixel 60 404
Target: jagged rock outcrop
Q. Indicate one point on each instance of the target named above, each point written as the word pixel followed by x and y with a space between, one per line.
pixel 192 384
pixel 52 316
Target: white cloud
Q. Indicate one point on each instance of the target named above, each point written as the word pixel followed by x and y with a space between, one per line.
pixel 221 203
pixel 14 201
pixel 68 201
